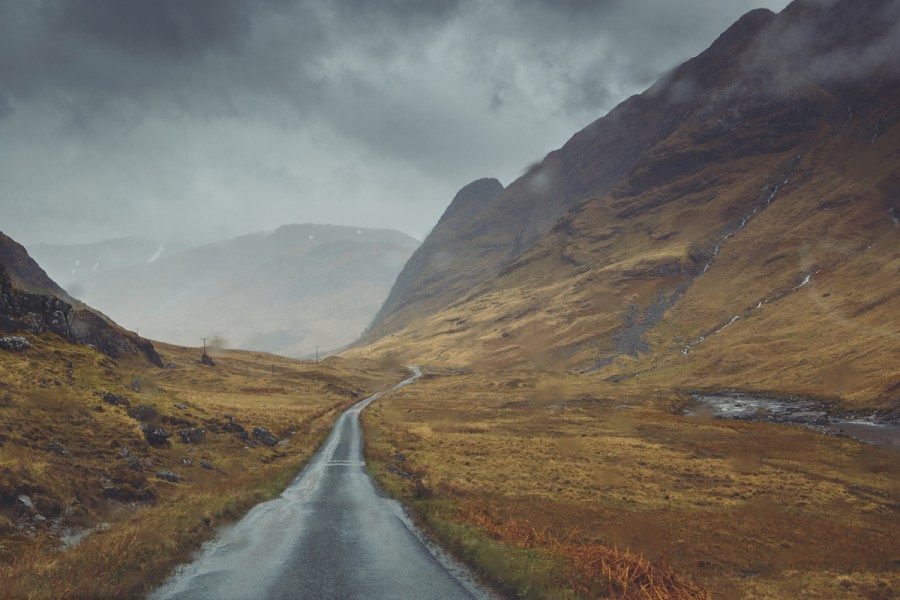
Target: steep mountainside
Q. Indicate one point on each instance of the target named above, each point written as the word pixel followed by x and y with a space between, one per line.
pixel 31 304
pixel 284 291
pixel 462 252
pixel 734 225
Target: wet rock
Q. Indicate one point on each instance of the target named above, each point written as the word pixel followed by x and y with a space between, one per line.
pixel 58 449
pixel 38 518
pixel 156 435
pixel 206 465
pixel 169 476
pixel 192 435
pixel 264 436
pixel 181 406
pixel 142 413
pixel 14 344
pixel 24 503
pixel 115 400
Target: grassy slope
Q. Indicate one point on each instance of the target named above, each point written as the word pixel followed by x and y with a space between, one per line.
pixel 143 526
pixel 749 510
pixel 564 303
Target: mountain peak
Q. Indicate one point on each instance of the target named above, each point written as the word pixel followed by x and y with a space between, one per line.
pixel 471 198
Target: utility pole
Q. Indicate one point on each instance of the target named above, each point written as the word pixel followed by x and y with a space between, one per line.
pixel 317 355
pixel 204 345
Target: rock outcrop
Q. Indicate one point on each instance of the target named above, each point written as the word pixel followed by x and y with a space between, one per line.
pixel 31 302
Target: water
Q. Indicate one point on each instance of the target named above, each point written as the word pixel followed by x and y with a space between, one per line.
pixel 798 411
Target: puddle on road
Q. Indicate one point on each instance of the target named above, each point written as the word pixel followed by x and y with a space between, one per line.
pixel 797 411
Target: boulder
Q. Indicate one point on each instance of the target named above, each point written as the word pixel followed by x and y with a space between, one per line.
pixel 25 503
pixel 192 435
pixel 58 449
pixel 156 435
pixel 232 426
pixel 115 400
pixel 14 344
pixel 169 476
pixel 264 436
pixel 142 413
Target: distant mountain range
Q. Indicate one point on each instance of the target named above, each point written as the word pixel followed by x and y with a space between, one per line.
pixel 285 291
pixel 734 225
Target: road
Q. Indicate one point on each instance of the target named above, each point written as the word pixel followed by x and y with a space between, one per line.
pixel 331 534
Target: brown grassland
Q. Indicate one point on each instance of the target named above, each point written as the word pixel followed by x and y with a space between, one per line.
pixel 555 486
pixel 142 526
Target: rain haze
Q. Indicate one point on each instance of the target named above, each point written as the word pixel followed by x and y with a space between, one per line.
pixel 208 119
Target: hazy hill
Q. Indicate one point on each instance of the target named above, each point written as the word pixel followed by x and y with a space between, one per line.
pixel 72 264
pixel 33 304
pixel 283 291
pixel 734 225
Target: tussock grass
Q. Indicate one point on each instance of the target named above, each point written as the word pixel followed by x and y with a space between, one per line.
pixel 521 460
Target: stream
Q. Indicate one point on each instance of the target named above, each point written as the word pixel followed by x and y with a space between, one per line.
pixel 873 429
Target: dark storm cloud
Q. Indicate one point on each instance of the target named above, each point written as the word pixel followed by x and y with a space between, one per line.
pixel 167 28
pixel 240 114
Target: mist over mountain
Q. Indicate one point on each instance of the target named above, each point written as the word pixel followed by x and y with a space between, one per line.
pixel 284 291
pixel 32 304
pixel 735 224
pixel 73 264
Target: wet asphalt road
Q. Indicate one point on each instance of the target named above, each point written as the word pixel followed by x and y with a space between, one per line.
pixel 331 534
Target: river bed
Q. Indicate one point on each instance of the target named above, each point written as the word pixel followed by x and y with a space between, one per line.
pixel 871 429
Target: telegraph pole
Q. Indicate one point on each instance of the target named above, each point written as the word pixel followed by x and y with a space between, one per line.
pixel 204 345
pixel 317 355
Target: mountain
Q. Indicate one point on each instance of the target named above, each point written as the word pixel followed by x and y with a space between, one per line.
pixel 32 303
pixel 73 264
pixel 285 291
pixel 734 225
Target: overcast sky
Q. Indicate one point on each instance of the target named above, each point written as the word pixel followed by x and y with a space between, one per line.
pixel 213 118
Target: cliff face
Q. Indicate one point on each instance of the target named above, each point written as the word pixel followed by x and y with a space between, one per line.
pixel 31 302
pixel 735 224
pixel 34 313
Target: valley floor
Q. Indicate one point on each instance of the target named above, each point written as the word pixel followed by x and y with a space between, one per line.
pixel 542 480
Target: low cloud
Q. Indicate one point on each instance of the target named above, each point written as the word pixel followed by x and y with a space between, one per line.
pixel 216 117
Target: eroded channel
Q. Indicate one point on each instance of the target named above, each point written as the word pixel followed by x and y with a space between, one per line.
pixel 876 429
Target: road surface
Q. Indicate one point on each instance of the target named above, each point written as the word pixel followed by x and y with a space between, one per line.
pixel 331 534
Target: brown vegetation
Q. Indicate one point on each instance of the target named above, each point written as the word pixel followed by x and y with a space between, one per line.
pixel 87 467
pixel 741 509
